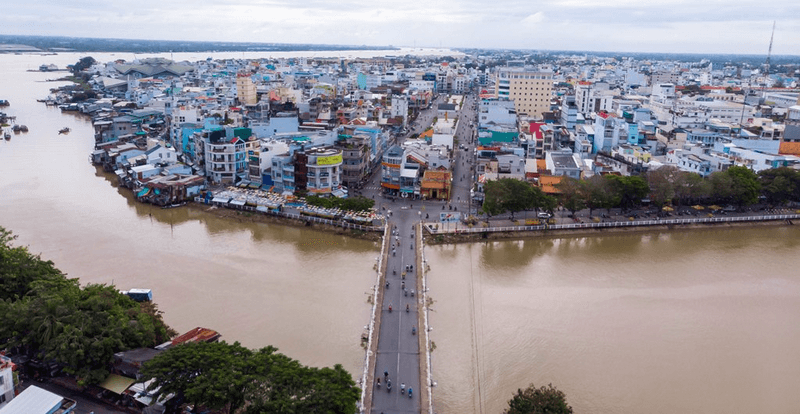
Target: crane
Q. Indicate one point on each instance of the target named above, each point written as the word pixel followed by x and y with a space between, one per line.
pixel 769 53
pixel 766 73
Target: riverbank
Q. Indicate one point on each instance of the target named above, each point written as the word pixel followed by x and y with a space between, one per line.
pixel 268 219
pixel 453 238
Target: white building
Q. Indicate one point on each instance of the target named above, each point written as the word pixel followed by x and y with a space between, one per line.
pixel 6 381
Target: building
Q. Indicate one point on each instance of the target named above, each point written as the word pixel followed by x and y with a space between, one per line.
pixel 530 90
pixel 564 163
pixel 246 90
pixel 35 400
pixel 390 169
pixel 435 185
pixel 6 380
pixel 223 154
pixel 318 170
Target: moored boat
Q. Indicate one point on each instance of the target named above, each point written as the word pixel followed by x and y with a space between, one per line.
pixel 64 130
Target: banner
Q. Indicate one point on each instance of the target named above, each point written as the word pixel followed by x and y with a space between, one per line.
pixel 329 160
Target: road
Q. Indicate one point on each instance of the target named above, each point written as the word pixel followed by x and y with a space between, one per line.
pixel 398 351
pixel 398 356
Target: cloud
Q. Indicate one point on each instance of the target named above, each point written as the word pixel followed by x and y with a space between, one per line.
pixel 715 26
pixel 537 17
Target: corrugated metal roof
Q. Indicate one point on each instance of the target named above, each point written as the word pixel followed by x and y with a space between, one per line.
pixel 33 400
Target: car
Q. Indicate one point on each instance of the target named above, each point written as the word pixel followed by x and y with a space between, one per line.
pixel 544 215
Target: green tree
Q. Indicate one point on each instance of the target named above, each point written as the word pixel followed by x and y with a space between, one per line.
pixel 571 194
pixel 662 183
pixel 780 185
pixel 213 375
pixel 495 194
pixel 19 269
pixel 628 191
pixel 542 400
pixel 690 187
pixel 48 316
pixel 745 187
pixel 82 64
pixel 599 193
pixel 229 377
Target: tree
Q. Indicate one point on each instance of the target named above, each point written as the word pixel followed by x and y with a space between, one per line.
pixel 82 64
pixel 19 269
pixel 628 191
pixel 662 184
pixel 690 187
pixel 542 400
pixel 212 375
pixel 45 315
pixel 230 377
pixel 745 187
pixel 571 194
pixel 780 185
pixel 598 193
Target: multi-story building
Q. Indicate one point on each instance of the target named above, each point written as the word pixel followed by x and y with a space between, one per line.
pixel 355 157
pixel 530 89
pixel 6 380
pixel 390 169
pixel 223 154
pixel 246 90
pixel 323 170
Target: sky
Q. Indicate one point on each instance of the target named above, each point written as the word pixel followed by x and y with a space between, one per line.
pixel 675 26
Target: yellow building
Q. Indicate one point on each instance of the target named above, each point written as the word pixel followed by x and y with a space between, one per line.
pixel 529 89
pixel 246 90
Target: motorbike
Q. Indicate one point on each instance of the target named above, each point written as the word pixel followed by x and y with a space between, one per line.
pixel 387 284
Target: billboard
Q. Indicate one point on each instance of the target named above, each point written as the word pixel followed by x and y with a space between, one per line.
pixel 329 160
pixel 449 217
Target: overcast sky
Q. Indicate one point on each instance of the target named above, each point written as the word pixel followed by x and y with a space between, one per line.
pixel 700 26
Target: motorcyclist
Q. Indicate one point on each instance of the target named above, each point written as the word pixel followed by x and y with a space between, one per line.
pixel 407 309
pixel 409 392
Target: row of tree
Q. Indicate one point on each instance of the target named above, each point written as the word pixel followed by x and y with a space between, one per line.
pixel 511 195
pixel 230 377
pixel 49 317
pixel 358 203
pixel 737 186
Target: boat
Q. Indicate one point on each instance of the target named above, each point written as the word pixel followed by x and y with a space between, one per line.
pixel 4 102
pixel 23 128
pixel 16 128
pixel 181 204
pixel 7 136
pixel 64 130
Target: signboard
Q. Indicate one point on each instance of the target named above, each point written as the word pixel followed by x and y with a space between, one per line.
pixel 329 160
pixel 449 217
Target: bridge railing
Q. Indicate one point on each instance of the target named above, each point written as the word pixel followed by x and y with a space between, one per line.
pixel 463 229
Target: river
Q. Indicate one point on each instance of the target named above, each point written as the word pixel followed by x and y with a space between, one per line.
pixel 697 321
pixel 666 322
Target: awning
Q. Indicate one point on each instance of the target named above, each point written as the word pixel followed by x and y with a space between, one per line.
pixel 116 383
pixel 408 173
pixel 237 202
